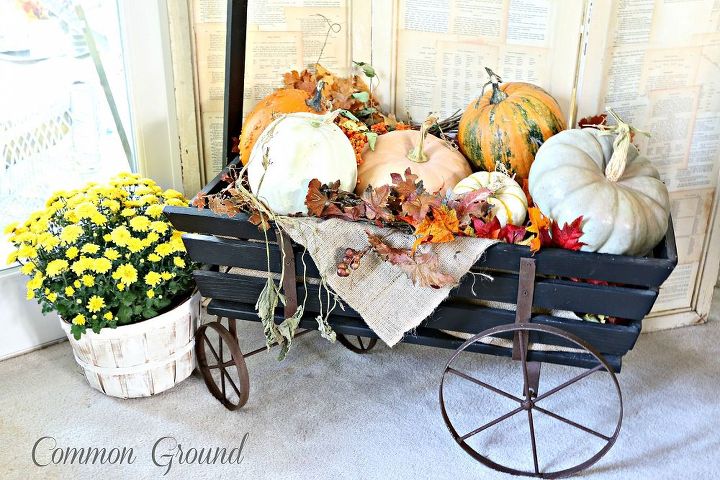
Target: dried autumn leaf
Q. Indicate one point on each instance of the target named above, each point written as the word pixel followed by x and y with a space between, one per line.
pixel 223 206
pixel 441 228
pixel 472 204
pixel 417 208
pixel 423 270
pixel 489 229
pixel 301 81
pixel 538 221
pixel 405 186
pixel 199 200
pixel 376 203
pixel 568 237
pixel 260 220
pixel 512 234
pixel 316 200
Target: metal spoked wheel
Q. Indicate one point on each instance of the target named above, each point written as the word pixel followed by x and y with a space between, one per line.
pixel 532 402
pixel 359 345
pixel 225 372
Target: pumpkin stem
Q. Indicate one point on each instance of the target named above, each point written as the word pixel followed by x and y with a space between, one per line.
pixel 316 101
pixel 417 154
pixel 623 138
pixel 497 94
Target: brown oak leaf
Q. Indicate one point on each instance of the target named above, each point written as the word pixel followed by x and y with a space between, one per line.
pixel 417 208
pixel 223 206
pixel 316 200
pixel 376 203
pixel 304 80
pixel 405 187
pixel 473 203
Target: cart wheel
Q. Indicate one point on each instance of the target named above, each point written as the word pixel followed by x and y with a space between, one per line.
pixel 226 378
pixel 530 401
pixel 364 345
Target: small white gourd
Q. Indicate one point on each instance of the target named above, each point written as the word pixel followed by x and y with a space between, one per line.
pixel 509 203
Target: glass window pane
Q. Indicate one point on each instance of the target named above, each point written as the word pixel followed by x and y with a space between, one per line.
pixel 57 130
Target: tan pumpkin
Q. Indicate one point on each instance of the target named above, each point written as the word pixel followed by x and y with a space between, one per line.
pixel 503 129
pixel 287 100
pixel 439 166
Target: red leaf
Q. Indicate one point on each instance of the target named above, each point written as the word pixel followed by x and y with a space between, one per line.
pixel 568 237
pixel 489 229
pixel 473 203
pixel 512 234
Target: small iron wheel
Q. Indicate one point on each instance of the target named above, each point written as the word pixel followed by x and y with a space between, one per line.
pixel 530 402
pixel 224 372
pixel 362 345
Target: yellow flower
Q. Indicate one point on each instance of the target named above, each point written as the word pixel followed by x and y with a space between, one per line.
pixel 79 319
pixel 101 265
pixel 90 248
pixel 99 219
pixel 120 236
pixel 71 233
pixel 10 227
pixel 148 199
pixel 179 262
pixel 121 286
pixel 127 212
pixel 159 226
pixel 47 241
pixel 164 249
pixel 153 278
pixel 56 267
pixel 12 258
pixel 126 273
pixel 112 205
pixel 176 202
pixel 27 269
pixel 69 291
pixel 80 265
pixel 71 216
pixel 135 244
pixel 107 237
pixel 111 254
pixel 154 257
pixel 108 316
pixel 151 293
pixel 36 281
pixel 170 193
pixel 177 244
pixel 52 296
pixel 30 294
pixel 77 284
pixel 26 251
pixel 95 304
pixel 154 211
pixel 86 210
pixel 88 280
pixel 72 252
pixel 151 238
pixel 166 275
pixel 140 223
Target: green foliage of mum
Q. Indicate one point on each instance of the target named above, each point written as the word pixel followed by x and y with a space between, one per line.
pixel 104 255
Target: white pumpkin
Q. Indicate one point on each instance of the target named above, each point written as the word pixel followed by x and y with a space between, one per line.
pixel 291 151
pixel 624 204
pixel 509 203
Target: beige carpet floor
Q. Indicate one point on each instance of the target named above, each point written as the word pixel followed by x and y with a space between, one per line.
pixel 326 413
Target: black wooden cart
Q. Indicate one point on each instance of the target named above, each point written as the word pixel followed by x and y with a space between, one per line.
pixel 547 280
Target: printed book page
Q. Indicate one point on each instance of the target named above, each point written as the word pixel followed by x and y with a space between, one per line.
pixel 668 85
pixel 442 49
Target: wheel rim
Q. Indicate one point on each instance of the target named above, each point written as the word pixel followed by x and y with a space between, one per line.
pixel 529 400
pixel 359 345
pixel 216 361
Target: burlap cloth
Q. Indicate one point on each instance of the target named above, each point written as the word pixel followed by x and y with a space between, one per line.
pixel 380 292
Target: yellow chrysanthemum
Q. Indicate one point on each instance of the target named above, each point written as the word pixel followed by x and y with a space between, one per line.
pixel 30 294
pixel 82 264
pixel 112 205
pixel 140 223
pixel 154 257
pixel 101 265
pixel 27 269
pixel 108 316
pixel 99 219
pixel 77 284
pixel 159 226
pixel 164 249
pixel 126 273
pixel 153 278
pixel 86 210
pixel 111 254
pixel 121 286
pixel 107 237
pixel 179 262
pixel 167 275
pixel 148 199
pixel 79 319
pixel 47 241
pixel 154 211
pixel 170 193
pixel 13 256
pixel 72 252
pixel 120 236
pixel 151 238
pixel 90 248
pixel 151 293
pixel 56 267
pixel 71 233
pixel 135 244
pixel 26 251
pixel 176 202
pixel 177 244
pixel 69 291
pixel 95 304
pixel 88 280
pixel 52 296
pixel 10 227
pixel 127 212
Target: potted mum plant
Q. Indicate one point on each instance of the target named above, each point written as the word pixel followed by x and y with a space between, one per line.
pixel 116 272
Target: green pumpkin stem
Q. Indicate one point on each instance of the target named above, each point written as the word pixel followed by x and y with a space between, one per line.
pixel 316 101
pixel 417 154
pixel 623 138
pixel 497 94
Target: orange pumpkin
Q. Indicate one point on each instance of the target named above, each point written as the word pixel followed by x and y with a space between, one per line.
pixel 431 159
pixel 288 100
pixel 504 128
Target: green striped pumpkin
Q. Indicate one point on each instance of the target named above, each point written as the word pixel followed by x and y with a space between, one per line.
pixel 503 129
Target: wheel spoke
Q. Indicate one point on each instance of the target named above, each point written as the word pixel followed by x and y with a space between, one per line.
pixel 569 382
pixel 222 361
pixel 532 440
pixel 359 339
pixel 483 384
pixel 490 424
pixel 571 423
pixel 212 349
pixel 224 374
pixel 523 360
